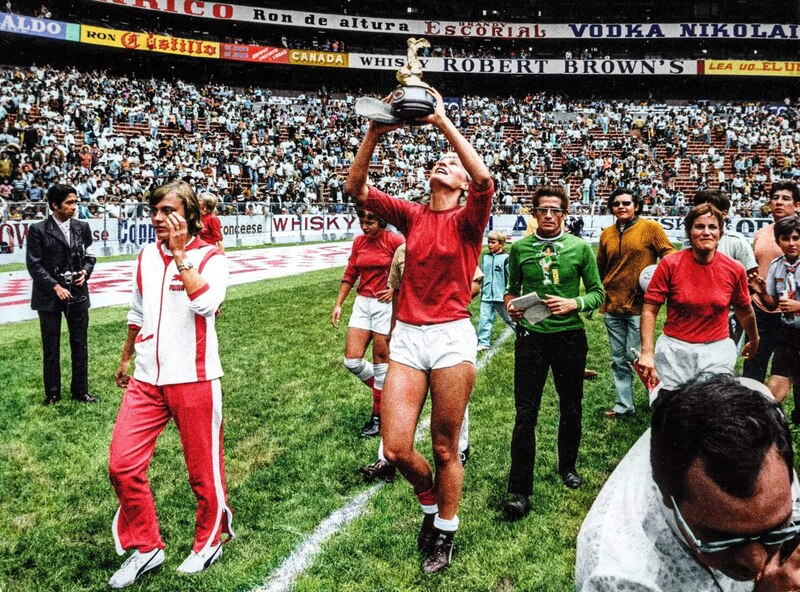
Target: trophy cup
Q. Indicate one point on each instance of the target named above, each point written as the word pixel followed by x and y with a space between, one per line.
pixel 410 101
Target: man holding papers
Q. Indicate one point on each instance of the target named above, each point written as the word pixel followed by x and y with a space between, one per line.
pixel 549 264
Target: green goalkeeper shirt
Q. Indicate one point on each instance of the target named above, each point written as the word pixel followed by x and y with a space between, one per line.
pixel 555 267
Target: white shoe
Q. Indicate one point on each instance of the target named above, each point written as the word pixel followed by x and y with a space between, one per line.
pixel 197 562
pixel 482 347
pixel 134 566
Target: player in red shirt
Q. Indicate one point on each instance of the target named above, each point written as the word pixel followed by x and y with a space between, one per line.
pixel 433 343
pixel 699 285
pixel 369 263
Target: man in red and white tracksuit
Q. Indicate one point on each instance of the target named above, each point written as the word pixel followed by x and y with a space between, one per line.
pixel 179 284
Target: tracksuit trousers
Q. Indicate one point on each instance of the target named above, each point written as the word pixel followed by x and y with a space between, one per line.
pixel 146 409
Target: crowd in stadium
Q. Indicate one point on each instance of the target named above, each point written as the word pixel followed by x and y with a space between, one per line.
pixel 113 137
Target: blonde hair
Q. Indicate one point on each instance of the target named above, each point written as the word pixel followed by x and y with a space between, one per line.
pixel 191 207
pixel 208 200
pixel 498 235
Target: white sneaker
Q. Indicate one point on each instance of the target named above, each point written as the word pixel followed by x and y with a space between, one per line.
pixel 197 562
pixel 482 347
pixel 134 566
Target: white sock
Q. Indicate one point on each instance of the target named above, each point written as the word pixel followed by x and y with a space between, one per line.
pixel 446 525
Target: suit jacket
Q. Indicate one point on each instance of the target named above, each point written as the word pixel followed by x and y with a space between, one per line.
pixel 49 255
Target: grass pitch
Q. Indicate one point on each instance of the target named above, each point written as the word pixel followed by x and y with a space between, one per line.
pixel 292 417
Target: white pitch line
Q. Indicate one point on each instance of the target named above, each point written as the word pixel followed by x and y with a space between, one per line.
pixel 283 578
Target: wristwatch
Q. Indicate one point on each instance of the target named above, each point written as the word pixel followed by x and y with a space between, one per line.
pixel 185 265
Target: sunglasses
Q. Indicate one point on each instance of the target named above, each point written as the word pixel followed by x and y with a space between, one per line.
pixel 623 204
pixel 785 538
pixel 553 211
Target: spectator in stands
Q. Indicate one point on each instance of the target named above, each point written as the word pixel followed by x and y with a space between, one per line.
pixel 6 165
pixel 626 248
pixel 699 285
pixel 531 141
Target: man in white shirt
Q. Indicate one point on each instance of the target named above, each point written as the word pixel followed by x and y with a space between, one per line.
pixel 705 501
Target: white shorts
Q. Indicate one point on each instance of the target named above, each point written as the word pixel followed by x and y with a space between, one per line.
pixel 679 362
pixel 371 315
pixel 430 347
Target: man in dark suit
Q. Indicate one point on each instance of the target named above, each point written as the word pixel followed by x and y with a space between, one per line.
pixel 60 260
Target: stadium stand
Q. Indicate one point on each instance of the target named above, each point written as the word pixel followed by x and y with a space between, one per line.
pixel 113 137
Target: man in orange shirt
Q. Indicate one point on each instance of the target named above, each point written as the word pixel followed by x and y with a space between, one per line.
pixel 626 248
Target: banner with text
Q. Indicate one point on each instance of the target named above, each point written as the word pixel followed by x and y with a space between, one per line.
pixel 254 53
pixel 223 11
pixel 515 226
pixel 26 25
pixel 148 42
pixel 750 68
pixel 528 67
pixel 114 237
pixel 309 57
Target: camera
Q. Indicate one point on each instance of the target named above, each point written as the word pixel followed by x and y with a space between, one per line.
pixel 68 277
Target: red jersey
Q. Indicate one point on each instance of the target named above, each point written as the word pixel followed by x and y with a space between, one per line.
pixel 442 250
pixel 370 261
pixel 212 231
pixel 698 296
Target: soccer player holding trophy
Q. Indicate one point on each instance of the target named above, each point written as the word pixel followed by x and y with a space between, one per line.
pixel 434 343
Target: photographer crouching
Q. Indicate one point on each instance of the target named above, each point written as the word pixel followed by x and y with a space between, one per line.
pixel 60 260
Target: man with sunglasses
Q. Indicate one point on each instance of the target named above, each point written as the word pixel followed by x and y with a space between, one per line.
pixel 706 501
pixel 626 248
pixel 551 263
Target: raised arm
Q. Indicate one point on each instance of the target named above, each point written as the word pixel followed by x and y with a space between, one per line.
pixel 356 184
pixel 470 159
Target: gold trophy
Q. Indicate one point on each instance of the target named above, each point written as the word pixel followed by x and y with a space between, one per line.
pixel 410 101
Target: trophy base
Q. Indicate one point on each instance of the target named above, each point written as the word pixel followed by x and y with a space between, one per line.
pixel 412 102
